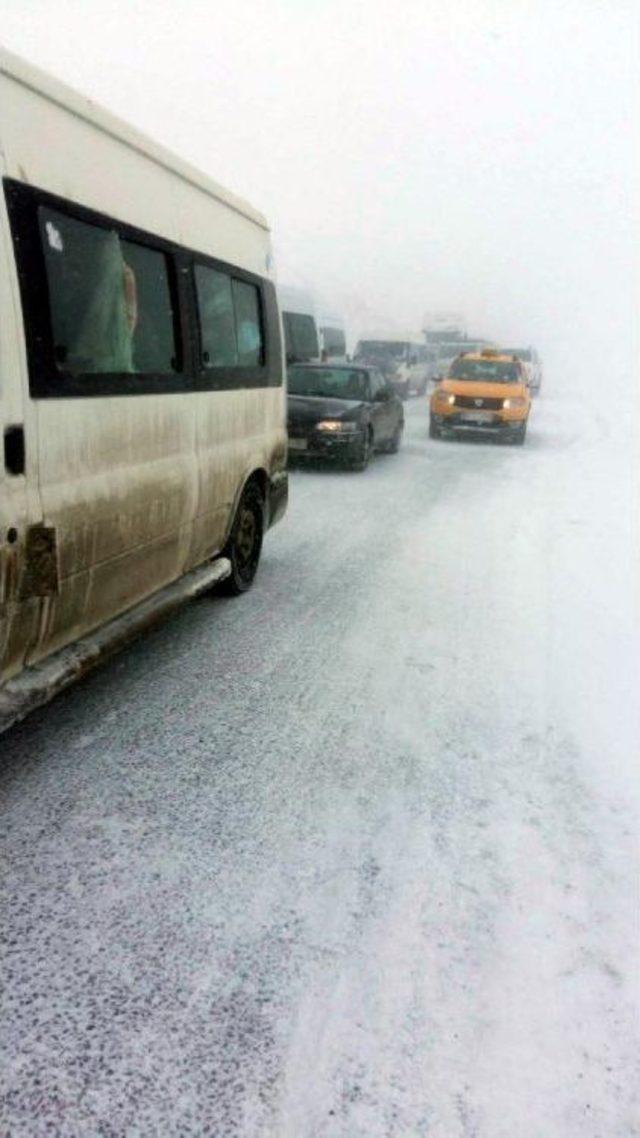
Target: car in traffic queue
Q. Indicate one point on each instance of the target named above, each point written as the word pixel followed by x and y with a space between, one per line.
pixel 533 365
pixel 402 358
pixel 342 413
pixel 484 392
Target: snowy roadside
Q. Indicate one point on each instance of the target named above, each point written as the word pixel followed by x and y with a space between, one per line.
pixel 493 988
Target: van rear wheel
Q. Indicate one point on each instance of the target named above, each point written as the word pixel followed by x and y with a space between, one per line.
pixel 245 542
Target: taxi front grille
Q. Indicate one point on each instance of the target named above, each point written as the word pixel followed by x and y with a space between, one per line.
pixel 479 402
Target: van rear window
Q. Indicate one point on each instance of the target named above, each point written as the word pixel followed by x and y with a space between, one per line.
pixel 109 300
pixel 230 323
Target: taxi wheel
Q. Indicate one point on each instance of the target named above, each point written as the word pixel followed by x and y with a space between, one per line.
pixel 434 432
pixel 519 436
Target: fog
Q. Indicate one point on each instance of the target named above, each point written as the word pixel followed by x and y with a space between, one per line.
pixel 476 156
pixel 348 856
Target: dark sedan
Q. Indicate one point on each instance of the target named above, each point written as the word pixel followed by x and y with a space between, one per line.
pixel 343 413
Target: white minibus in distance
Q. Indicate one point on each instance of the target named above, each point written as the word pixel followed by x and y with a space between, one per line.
pixel 300 324
pixel 401 356
pixel 333 339
pixel 142 400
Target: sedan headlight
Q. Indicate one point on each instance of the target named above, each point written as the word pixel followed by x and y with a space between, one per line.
pixel 514 401
pixel 337 427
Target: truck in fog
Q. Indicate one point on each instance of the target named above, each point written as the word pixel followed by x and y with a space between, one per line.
pixel 401 357
pixel 446 337
pixel 533 365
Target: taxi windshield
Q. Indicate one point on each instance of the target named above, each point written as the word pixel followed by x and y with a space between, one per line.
pixel 485 371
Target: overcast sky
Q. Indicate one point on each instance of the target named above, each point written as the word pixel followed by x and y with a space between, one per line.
pixel 464 154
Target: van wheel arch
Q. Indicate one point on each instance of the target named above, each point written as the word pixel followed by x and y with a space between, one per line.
pixel 261 479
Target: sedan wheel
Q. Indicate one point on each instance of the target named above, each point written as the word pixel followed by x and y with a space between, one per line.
pixel 363 453
pixel 396 440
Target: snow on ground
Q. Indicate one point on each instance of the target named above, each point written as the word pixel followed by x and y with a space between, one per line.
pixel 350 857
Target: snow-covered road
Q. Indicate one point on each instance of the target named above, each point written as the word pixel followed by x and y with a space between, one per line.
pixel 353 856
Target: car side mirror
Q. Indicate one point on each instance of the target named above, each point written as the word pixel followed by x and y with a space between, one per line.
pixel 382 396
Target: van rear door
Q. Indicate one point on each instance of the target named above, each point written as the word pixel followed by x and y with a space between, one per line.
pixel 20 511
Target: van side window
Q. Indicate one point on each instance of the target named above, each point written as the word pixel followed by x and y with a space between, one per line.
pixel 110 309
pixel 109 299
pixel 248 324
pixel 230 323
pixel 149 310
pixel 216 317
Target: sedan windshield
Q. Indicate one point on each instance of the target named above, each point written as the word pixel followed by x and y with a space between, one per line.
pixel 485 371
pixel 328 382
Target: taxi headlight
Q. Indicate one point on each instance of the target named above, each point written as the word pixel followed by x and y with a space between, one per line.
pixel 514 401
pixel 336 426
pixel 444 397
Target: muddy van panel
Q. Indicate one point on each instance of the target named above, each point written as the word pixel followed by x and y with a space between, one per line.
pixel 137 432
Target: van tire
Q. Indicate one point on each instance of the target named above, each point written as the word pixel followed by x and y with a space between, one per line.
pixel 245 541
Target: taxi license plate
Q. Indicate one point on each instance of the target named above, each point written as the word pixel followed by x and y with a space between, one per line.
pixel 477 417
pixel 298 444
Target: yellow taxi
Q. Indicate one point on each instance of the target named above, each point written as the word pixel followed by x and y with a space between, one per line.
pixel 485 392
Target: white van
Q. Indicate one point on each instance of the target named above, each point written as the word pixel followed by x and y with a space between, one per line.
pixel 333 339
pixel 300 324
pixel 401 356
pixel 142 405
